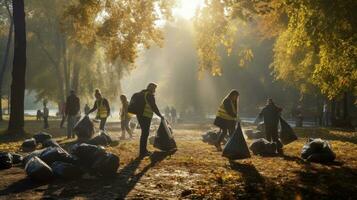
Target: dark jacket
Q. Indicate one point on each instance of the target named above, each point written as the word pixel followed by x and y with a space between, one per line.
pixel 271 115
pixel 105 103
pixel 151 101
pixel 72 105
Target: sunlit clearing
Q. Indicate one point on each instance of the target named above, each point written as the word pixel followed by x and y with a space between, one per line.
pixel 187 8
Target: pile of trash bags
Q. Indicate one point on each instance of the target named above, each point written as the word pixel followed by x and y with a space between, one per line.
pixel 210 137
pixel 7 160
pixel 164 139
pixel 84 128
pixel 45 139
pixel 263 147
pixel 318 150
pixel 236 147
pixel 102 138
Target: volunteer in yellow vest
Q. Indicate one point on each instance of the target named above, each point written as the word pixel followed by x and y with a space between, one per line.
pixel 226 116
pixel 125 117
pixel 144 119
pixel 103 110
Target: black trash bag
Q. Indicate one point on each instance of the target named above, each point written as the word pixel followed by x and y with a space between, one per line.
pixel 32 154
pixel 5 160
pixel 41 137
pixel 263 147
pixel 66 170
pixel 287 134
pixel 236 147
pixel 106 165
pixel 29 145
pixel 318 150
pixel 164 139
pixel 16 158
pixel 84 129
pixel 210 137
pixel 50 143
pixel 53 154
pixel 102 139
pixel 38 170
pixel 87 153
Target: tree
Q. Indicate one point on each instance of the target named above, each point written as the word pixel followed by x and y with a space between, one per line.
pixel 16 122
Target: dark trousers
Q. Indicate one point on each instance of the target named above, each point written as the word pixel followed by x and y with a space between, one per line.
pixel 145 130
pixel 102 123
pixel 271 133
pixel 125 127
pixel 45 121
pixel 224 133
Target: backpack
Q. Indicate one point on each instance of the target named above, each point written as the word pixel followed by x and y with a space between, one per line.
pixel 137 103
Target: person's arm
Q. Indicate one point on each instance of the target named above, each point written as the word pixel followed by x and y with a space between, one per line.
pixel 152 103
pixel 93 109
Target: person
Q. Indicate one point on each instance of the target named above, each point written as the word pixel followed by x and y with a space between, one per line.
pixel 45 115
pixel 271 115
pixel 125 117
pixel 226 116
pixel 173 115
pixel 101 104
pixel 38 115
pixel 145 117
pixel 86 109
pixel 72 112
pixel 325 115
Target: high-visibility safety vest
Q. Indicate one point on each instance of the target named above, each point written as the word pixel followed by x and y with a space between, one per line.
pixel 102 110
pixel 222 113
pixel 147 109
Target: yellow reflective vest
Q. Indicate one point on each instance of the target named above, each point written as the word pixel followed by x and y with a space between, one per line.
pixel 147 109
pixel 222 113
pixel 102 109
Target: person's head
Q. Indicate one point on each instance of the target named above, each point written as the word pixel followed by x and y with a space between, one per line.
pixel 233 95
pixel 151 87
pixel 97 94
pixel 123 98
pixel 270 101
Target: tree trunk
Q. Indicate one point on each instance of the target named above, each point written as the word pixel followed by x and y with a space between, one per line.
pixel 16 122
pixel 6 56
pixel 345 106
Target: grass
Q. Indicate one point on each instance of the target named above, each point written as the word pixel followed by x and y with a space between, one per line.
pixel 197 171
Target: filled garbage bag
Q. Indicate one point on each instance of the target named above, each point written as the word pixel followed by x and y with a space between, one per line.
pixel 53 154
pixel 84 129
pixel 38 170
pixel 287 134
pixel 87 153
pixel 29 145
pixel 32 154
pixel 41 137
pixel 102 139
pixel 236 147
pixel 318 150
pixel 16 158
pixel 5 160
pixel 66 170
pixel 210 137
pixel 251 134
pixel 164 139
pixel 263 147
pixel 50 143
pixel 106 165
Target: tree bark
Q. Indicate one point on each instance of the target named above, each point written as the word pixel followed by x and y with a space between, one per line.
pixel 16 122
pixel 345 106
pixel 6 56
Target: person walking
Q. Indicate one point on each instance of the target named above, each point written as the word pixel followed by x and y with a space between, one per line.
pixel 125 117
pixel 227 116
pixel 72 112
pixel 45 115
pixel 145 115
pixel 101 104
pixel 271 115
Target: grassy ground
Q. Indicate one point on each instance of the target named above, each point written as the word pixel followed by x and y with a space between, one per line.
pixel 197 171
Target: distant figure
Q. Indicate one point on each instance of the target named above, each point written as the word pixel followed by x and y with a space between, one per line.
pixel 173 115
pixel 271 115
pixel 38 115
pixel 86 109
pixel 71 112
pixel 167 113
pixel 299 117
pixel 45 115
pixel 145 118
pixel 226 116
pixel 63 114
pixel 325 115
pixel 103 110
pixel 125 117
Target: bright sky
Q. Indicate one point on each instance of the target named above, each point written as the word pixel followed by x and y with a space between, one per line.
pixel 187 8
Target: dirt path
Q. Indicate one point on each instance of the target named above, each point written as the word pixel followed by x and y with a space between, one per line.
pixel 197 171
